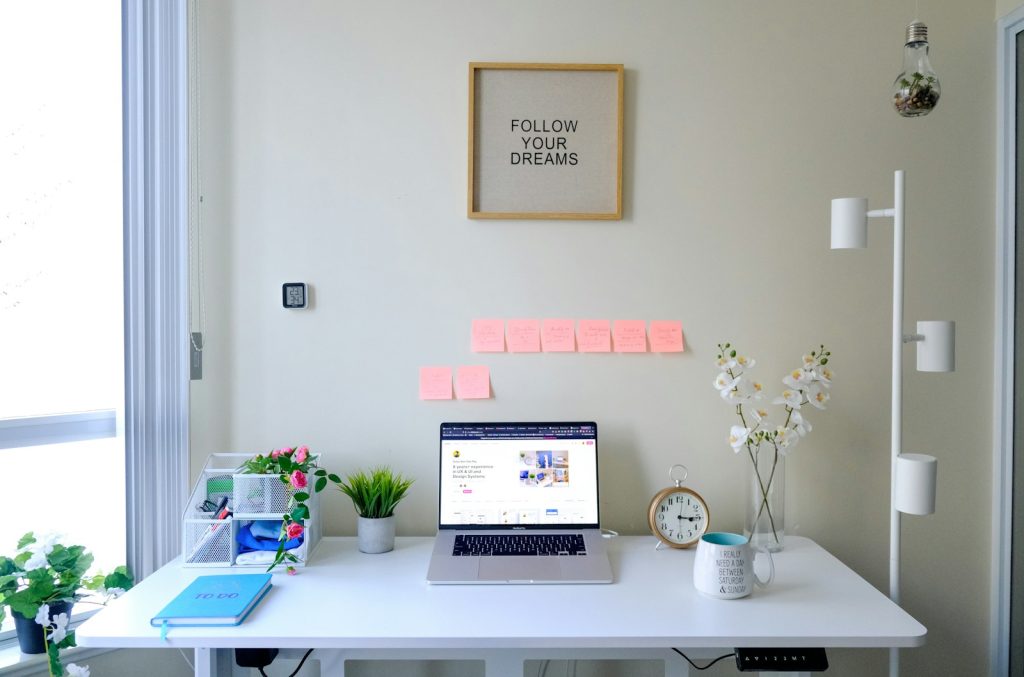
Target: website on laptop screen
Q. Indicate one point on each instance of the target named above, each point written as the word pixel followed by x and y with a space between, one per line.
pixel 526 474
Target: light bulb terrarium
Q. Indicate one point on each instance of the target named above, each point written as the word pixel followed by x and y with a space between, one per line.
pixel 916 90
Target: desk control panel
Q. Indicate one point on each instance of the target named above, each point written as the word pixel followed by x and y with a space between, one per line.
pixel 781 660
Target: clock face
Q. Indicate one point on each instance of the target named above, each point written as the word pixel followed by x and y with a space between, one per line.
pixel 678 516
pixel 294 295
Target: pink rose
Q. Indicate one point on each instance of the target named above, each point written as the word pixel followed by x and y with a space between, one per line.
pixel 294 530
pixel 275 453
pixel 301 454
pixel 292 571
pixel 298 479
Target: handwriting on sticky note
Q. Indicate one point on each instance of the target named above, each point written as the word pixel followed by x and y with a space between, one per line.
pixel 488 336
pixel 666 336
pixel 594 336
pixel 523 336
pixel 558 336
pixel 473 382
pixel 630 336
pixel 435 383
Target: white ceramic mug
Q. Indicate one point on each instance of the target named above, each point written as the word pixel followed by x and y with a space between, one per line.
pixel 724 567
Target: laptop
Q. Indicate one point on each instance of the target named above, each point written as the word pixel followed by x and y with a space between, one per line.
pixel 518 504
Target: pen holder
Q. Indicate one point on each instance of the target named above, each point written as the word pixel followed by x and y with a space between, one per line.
pixel 207 542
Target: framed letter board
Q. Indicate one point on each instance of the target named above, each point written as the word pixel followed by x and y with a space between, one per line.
pixel 545 141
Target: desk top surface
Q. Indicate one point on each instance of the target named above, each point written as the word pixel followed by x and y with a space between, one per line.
pixel 347 599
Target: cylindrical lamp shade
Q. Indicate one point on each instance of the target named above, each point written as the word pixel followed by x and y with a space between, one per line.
pixel 937 350
pixel 915 483
pixel 850 223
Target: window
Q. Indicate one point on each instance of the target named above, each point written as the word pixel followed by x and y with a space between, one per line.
pixel 61 272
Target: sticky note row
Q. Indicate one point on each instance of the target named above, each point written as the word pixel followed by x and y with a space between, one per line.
pixel 471 383
pixel 564 336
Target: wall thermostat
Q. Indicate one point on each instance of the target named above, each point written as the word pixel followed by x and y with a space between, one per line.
pixel 293 294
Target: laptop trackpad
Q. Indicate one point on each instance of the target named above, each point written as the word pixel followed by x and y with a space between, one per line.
pixel 519 569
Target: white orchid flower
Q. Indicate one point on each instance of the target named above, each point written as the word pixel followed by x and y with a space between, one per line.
pixel 726 363
pixel 800 424
pixel 798 378
pixel 738 437
pixel 77 670
pixel 786 438
pixel 723 381
pixel 790 397
pixel 809 360
pixel 742 390
pixel 758 389
pixel 818 397
pixel 759 414
pixel 745 362
pixel 43 615
pixel 823 375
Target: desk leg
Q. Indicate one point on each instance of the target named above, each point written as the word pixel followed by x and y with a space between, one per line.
pixel 205 664
pixel 213 663
pixel 332 662
pixel 675 666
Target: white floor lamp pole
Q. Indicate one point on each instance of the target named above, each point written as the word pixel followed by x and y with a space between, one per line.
pixel 897 400
pixel 913 476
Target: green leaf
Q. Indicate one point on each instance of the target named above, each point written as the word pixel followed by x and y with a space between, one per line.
pixel 321 482
pixel 334 478
pixel 7 566
pixel 53 657
pixel 120 578
pixel 320 472
pixel 27 539
pixel 301 496
pixel 376 494
pixel 68 641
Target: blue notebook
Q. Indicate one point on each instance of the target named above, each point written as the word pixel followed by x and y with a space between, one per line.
pixel 214 600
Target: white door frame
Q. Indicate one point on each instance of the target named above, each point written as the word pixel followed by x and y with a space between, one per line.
pixel 1002 435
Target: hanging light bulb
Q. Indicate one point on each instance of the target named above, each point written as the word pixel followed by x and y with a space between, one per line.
pixel 916 90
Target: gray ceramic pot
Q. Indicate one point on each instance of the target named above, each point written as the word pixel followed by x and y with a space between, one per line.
pixel 376 535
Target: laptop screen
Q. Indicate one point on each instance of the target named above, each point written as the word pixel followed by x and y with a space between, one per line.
pixel 518 475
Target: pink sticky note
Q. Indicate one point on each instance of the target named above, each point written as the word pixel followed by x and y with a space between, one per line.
pixel 473 383
pixel 488 336
pixel 666 336
pixel 558 336
pixel 523 336
pixel 630 336
pixel 435 383
pixel 594 336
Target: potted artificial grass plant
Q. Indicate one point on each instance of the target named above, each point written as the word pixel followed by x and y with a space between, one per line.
pixel 375 495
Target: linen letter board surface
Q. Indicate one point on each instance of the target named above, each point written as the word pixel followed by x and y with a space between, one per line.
pixel 215 600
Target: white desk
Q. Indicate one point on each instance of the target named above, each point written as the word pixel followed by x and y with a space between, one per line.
pixel 353 606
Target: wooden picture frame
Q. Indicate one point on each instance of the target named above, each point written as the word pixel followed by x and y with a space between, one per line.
pixel 545 141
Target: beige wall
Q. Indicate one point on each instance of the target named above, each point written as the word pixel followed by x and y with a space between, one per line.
pixel 1004 7
pixel 333 151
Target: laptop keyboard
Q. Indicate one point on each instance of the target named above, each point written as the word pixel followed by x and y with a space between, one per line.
pixel 471 545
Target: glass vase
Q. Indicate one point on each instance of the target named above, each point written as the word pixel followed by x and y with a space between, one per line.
pixel 765 523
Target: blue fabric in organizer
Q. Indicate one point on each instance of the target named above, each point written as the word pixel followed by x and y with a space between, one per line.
pixel 262 535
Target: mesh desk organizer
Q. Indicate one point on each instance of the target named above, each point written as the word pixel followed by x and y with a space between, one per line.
pixel 210 542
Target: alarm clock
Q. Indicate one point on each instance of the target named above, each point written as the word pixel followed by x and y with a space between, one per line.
pixel 678 516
